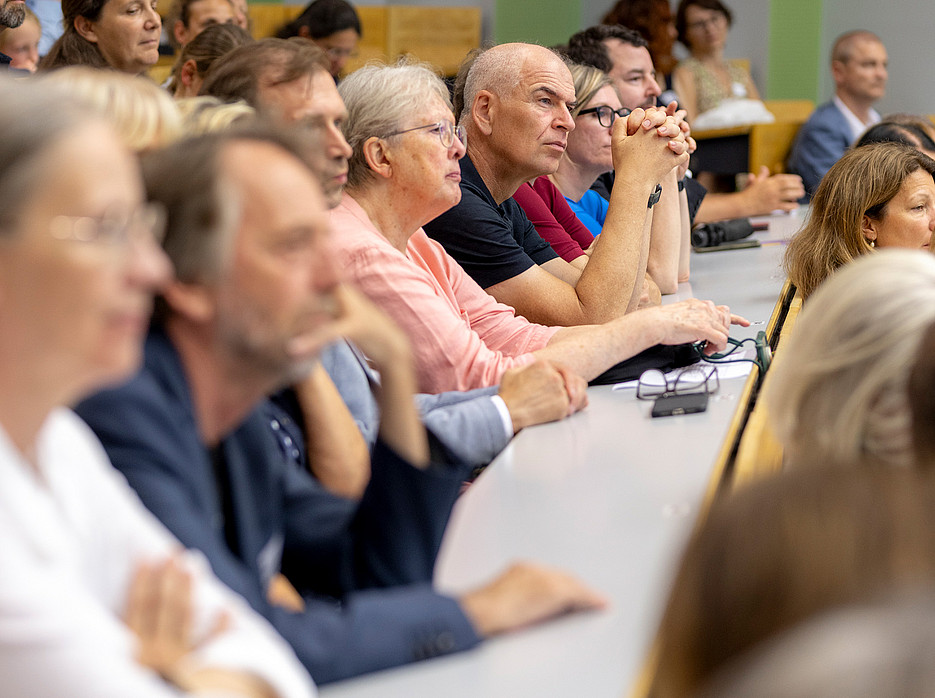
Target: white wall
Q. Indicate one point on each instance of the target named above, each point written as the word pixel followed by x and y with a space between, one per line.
pixel 906 28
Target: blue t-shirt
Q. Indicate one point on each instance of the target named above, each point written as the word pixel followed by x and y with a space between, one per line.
pixel 591 210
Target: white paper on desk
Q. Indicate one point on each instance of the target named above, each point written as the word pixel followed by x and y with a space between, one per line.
pixel 732 366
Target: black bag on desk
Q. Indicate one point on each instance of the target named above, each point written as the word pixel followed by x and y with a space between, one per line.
pixel 714 234
pixel 662 356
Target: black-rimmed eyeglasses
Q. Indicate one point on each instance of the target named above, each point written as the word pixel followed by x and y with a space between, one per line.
pixel 689 380
pixel 446 131
pixel 605 115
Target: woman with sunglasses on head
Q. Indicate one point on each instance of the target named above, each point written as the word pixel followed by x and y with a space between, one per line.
pixel 590 154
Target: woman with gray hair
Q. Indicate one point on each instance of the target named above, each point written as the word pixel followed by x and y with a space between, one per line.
pixel 839 394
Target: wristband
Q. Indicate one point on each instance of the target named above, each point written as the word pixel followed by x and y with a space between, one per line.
pixel 654 197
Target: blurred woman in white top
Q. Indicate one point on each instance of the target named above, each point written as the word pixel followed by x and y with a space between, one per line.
pixel 96 599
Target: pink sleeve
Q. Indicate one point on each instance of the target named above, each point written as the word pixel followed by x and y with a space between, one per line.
pixel 554 199
pixel 549 229
pixel 449 352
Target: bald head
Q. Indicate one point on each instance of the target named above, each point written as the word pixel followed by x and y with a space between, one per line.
pixel 517 102
pixel 500 70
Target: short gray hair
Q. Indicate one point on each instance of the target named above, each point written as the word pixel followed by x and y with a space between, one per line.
pixel 378 99
pixel 33 118
pixel 496 70
pixel 838 393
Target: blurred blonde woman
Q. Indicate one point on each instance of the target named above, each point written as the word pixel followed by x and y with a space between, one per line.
pixel 143 114
pixel 839 396
pixel 96 597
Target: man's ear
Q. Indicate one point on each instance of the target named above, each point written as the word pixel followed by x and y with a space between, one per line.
pixel 85 29
pixel 837 71
pixel 305 32
pixel 192 301
pixel 179 31
pixel 483 110
pixel 378 157
pixel 868 228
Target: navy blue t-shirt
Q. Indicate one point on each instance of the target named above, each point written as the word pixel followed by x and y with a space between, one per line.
pixel 492 243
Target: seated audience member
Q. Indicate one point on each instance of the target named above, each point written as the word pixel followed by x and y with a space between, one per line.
pixel 589 155
pixel 403 172
pixel 49 15
pixel 624 56
pixel 838 396
pixel 706 79
pixel 516 115
pixel 287 80
pixel 101 34
pixel 858 66
pixel 202 115
pixel 654 21
pixel 11 16
pixel 905 132
pixel 142 114
pixel 256 298
pixel 333 25
pixel 921 122
pixel 199 55
pixel 880 648
pixel 784 550
pixel 88 573
pixel 880 195
pixel 21 44
pixel 190 17
pixel 922 400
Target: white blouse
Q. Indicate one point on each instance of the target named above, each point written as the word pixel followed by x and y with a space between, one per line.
pixel 70 541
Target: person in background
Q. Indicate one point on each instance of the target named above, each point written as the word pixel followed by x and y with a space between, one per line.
pixel 199 55
pixel 624 56
pixel 96 597
pixel 190 17
pixel 859 69
pixel 653 20
pixel 839 397
pixel 118 34
pixel 334 27
pixel 907 130
pixel 706 79
pixel 21 43
pixel 880 195
pixel 784 551
pixel 49 14
pixel 12 14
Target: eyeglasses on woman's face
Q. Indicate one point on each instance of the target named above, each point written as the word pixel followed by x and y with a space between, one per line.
pixel 606 115
pixel 446 131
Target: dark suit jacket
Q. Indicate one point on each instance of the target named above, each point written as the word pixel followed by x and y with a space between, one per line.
pixel 819 144
pixel 271 516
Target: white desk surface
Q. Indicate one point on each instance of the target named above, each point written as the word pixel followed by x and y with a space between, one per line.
pixel 609 494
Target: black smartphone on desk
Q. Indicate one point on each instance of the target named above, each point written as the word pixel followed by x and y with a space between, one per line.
pixel 672 405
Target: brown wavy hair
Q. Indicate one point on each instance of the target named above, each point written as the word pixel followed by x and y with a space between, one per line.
pixel 860 184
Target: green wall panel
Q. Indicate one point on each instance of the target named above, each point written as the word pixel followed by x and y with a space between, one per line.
pixel 543 22
pixel 795 60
